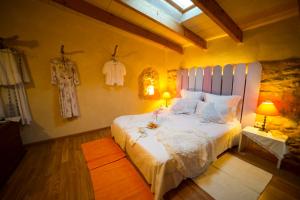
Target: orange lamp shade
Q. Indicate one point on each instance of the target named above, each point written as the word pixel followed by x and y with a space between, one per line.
pixel 166 95
pixel 267 108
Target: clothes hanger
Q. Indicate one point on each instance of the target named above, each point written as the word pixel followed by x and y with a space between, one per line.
pixel 62 52
pixel 114 55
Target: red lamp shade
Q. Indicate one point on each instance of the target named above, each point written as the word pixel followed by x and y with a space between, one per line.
pixel 267 108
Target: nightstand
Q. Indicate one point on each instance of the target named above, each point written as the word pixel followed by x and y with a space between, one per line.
pixel 275 144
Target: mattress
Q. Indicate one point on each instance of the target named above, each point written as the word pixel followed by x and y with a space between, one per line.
pixel 151 157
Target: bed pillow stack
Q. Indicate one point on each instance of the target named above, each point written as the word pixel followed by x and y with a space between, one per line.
pixel 218 109
pixel 209 107
pixel 188 103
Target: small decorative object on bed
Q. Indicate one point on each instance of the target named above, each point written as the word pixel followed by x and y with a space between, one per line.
pixel 149 84
pixel 154 124
pixel 266 108
pixel 156 113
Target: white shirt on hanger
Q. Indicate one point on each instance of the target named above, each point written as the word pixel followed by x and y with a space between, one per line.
pixel 114 72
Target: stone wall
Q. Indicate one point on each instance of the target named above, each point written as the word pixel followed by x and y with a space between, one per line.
pixel 281 84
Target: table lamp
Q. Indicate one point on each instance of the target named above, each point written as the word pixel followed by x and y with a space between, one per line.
pixel 166 96
pixel 266 108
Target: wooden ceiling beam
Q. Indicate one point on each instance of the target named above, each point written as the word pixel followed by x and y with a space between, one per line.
pixel 214 11
pixel 187 34
pixel 95 12
pixel 194 38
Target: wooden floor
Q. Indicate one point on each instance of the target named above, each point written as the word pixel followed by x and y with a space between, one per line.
pixel 56 170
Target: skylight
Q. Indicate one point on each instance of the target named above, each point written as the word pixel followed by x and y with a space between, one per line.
pixel 183 4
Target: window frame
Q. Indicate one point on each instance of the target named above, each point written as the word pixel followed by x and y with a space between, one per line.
pixel 177 7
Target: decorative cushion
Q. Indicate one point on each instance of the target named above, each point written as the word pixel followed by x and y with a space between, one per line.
pixel 208 113
pixel 184 106
pixel 227 106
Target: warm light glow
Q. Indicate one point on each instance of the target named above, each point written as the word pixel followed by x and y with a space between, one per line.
pixel 150 90
pixel 267 108
pixel 166 95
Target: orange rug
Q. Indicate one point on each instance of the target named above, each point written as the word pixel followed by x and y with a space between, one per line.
pixel 113 176
pixel 101 152
pixel 119 180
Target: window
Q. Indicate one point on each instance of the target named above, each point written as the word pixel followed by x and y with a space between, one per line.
pixel 181 5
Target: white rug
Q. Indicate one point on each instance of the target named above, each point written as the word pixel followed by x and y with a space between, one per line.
pixel 230 178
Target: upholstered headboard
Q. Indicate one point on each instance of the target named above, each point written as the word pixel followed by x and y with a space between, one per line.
pixel 239 79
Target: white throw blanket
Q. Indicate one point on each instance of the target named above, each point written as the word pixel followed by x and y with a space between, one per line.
pixel 181 147
pixel 189 149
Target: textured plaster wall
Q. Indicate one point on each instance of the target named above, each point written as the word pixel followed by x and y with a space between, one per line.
pixel 51 25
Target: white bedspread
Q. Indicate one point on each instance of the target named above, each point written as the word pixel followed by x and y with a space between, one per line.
pixel 179 148
pixel 189 150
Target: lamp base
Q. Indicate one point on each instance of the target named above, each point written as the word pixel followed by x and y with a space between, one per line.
pixel 263 128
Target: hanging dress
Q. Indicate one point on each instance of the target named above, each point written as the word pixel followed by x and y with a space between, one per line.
pixel 64 75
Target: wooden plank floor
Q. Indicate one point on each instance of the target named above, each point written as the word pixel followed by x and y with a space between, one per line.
pixel 56 170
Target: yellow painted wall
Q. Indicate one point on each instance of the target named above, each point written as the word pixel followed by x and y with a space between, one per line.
pixel 51 25
pixel 272 42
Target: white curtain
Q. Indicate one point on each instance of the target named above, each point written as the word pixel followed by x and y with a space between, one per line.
pixel 13 75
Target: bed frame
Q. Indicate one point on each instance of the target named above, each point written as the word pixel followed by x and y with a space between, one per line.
pixel 239 79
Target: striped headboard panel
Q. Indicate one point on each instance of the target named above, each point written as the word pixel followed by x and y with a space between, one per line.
pixel 239 79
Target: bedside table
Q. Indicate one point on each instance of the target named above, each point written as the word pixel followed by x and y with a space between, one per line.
pixel 274 144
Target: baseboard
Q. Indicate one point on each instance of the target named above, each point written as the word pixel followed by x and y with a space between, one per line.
pixel 65 136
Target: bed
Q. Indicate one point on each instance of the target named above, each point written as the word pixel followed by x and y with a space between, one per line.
pixel 151 157
pixel 183 146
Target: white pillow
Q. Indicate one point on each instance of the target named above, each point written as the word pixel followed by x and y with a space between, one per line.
pixel 184 106
pixel 186 94
pixel 208 113
pixel 199 107
pixel 225 105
